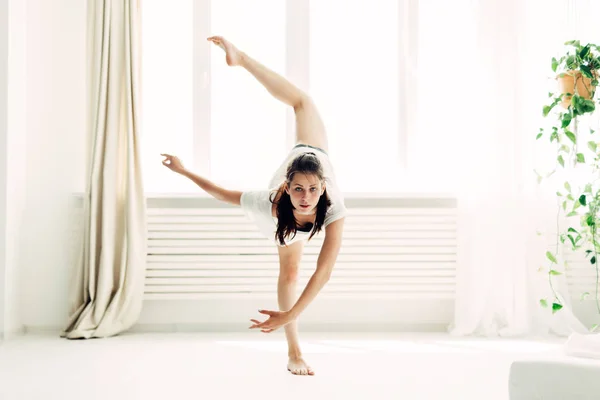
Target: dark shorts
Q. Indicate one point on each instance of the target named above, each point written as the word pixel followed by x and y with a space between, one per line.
pixel 312 147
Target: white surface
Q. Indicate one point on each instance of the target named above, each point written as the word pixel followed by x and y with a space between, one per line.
pixel 586 346
pixel 16 161
pixel 3 140
pixel 252 366
pixel 555 378
pixel 56 136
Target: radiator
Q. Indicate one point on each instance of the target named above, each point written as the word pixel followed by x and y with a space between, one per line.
pixel 199 248
pixel 581 274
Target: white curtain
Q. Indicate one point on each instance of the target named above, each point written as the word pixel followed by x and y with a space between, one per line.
pixel 108 289
pixel 499 78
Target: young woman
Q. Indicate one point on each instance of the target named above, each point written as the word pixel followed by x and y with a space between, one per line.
pixel 303 199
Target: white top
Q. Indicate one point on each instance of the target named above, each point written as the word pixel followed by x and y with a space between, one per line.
pixel 258 207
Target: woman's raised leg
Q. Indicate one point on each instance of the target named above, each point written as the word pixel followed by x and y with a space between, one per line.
pixel 309 125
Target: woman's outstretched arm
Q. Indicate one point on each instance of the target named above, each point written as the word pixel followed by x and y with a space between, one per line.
pixel 325 263
pixel 219 193
pixel 327 258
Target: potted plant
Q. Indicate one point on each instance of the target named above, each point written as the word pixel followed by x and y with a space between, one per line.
pixel 577 76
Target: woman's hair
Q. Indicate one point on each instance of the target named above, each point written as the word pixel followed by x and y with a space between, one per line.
pixel 305 163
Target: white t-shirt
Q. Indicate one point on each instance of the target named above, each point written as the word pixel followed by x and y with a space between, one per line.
pixel 258 207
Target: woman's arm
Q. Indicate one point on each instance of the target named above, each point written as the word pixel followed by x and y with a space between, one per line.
pixel 327 257
pixel 219 193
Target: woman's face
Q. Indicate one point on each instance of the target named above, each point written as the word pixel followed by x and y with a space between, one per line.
pixel 305 191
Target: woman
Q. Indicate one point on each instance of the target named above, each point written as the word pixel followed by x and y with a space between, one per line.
pixel 303 200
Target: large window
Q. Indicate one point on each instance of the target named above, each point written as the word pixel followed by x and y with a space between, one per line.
pixel 354 80
pixel 224 125
pixel 167 92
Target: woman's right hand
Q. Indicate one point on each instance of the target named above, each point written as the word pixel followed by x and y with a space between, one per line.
pixel 173 163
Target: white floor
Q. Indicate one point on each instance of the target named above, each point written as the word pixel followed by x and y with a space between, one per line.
pixel 252 366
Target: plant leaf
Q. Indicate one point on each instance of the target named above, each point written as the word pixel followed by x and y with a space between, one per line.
pixel 555 272
pixel 551 257
pixel 568 186
pixel 585 70
pixel 554 65
pixel 546 110
pixel 593 260
pixel 571 136
pixel 556 307
pixel 544 303
pixel 591 145
pixel 539 135
pixel 561 160
pixel 580 158
pixel 590 220
pixel 582 200
pixel 584 295
pixel 587 106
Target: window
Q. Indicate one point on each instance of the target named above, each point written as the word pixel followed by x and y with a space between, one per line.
pixel 354 81
pixel 167 92
pixel 248 126
pixel 224 125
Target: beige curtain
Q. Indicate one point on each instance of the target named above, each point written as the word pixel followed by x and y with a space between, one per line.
pixel 108 289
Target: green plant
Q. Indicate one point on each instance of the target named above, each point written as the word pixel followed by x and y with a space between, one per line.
pixel 579 202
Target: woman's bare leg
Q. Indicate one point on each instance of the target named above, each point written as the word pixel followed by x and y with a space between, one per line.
pixel 289 263
pixel 309 125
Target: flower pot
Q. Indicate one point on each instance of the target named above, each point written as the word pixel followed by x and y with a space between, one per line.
pixel 566 84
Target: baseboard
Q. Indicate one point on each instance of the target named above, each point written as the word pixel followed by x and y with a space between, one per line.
pixel 239 328
pixel 11 334
pixel 306 327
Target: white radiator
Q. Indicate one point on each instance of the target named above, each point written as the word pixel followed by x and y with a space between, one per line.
pixel 400 248
pixel 581 274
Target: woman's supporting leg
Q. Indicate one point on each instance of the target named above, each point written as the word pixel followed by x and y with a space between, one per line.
pixel 289 263
pixel 309 125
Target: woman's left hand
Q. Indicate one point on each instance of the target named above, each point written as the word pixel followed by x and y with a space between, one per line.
pixel 276 320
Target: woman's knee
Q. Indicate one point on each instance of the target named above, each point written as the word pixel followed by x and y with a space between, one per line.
pixel 288 273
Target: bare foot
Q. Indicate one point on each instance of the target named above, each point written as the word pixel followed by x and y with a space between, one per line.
pixel 297 366
pixel 232 55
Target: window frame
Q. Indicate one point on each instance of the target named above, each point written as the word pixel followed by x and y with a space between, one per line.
pixel 298 70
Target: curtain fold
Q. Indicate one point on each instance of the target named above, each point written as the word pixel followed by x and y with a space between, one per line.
pixel 108 289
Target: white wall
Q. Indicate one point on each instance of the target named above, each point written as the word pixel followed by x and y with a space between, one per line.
pixel 3 136
pixel 12 155
pixel 16 159
pixel 56 131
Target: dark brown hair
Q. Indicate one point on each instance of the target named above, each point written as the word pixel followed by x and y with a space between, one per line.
pixel 305 163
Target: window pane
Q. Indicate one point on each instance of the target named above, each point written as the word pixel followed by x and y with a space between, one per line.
pixel 446 32
pixel 354 82
pixel 248 129
pixel 167 34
